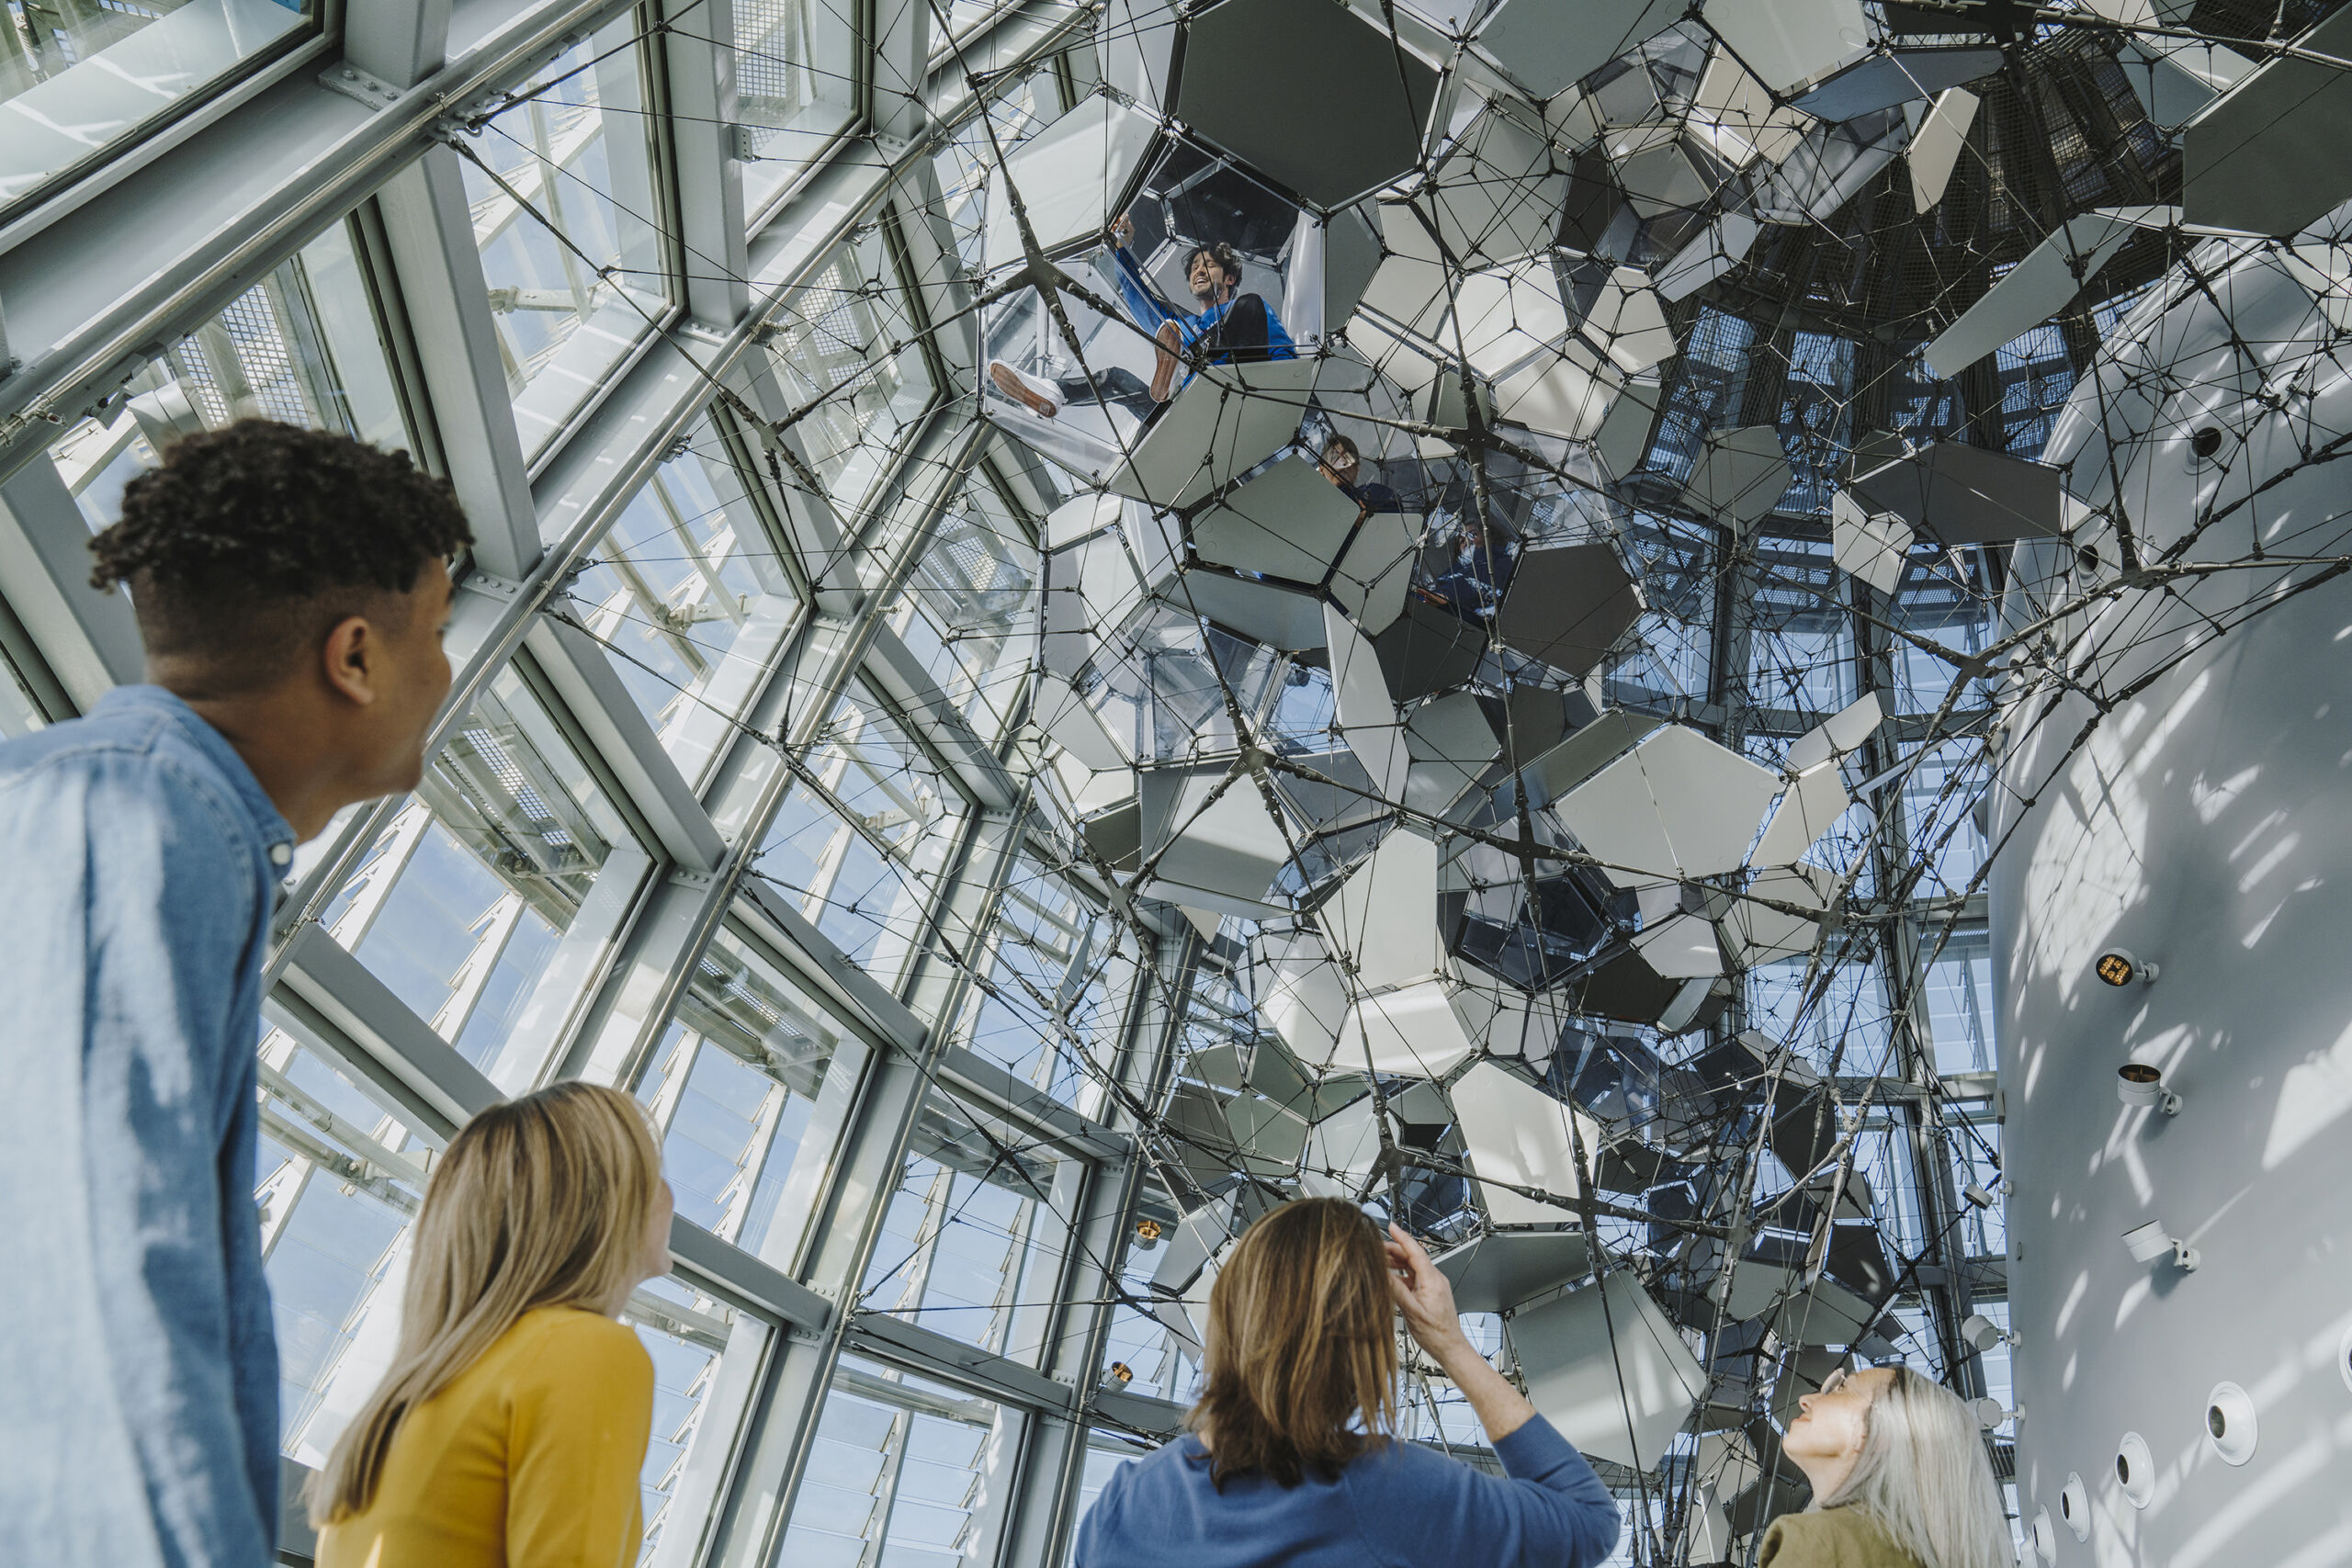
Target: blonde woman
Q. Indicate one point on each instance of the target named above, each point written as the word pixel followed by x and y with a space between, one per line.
pixel 509 1430
pixel 1292 1457
pixel 1899 1478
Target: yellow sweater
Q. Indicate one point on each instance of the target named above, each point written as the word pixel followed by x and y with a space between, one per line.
pixel 1830 1538
pixel 529 1459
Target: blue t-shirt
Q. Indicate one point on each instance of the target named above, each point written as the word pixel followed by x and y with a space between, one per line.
pixel 1400 1506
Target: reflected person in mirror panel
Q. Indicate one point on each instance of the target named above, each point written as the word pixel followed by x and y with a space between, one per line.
pixel 290 588
pixel 1900 1479
pixel 1344 467
pixel 1292 1457
pixel 509 1430
pixel 1227 327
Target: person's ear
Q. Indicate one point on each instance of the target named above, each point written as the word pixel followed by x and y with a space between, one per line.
pixel 352 659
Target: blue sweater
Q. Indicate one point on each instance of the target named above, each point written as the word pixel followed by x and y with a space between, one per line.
pixel 1399 1507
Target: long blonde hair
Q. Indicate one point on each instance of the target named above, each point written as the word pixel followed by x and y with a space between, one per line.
pixel 539 1202
pixel 1302 1343
pixel 1924 1476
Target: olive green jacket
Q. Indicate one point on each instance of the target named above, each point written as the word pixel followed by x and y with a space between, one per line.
pixel 1830 1538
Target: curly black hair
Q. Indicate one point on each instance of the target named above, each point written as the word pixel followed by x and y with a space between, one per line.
pixel 249 542
pixel 1227 259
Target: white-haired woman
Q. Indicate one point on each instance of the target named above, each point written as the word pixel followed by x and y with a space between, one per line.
pixel 509 1430
pixel 1899 1478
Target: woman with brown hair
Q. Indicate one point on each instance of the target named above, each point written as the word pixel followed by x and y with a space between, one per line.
pixel 509 1430
pixel 1292 1457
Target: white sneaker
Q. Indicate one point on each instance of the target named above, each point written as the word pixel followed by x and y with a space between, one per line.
pixel 1035 393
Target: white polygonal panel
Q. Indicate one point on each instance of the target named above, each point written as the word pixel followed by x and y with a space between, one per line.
pixel 1535 47
pixel 1342 1150
pixel 1495 197
pixel 1367 714
pixel 1230 419
pixel 1062 713
pixel 1512 1131
pixel 1872 546
pixel 1758 926
pixel 1220 855
pixel 1811 809
pixel 1627 323
pixel 1452 741
pixel 1935 146
pixel 1412 1032
pixel 1377 569
pixel 1678 805
pixel 1300 993
pixel 1741 474
pixel 1567 393
pixel 1501 1268
pixel 1785 43
pixel 1507 314
pixel 1659 172
pixel 1843 731
pixel 1681 947
pixel 1384 914
pixel 1069 174
pixel 1720 247
pixel 1288 522
pixel 1735 117
pixel 1410 288
pixel 1605 1365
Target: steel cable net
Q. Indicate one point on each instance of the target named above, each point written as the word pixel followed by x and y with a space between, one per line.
pixel 1545 606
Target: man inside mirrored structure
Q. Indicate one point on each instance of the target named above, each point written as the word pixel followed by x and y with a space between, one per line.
pixel 1227 327
pixel 291 590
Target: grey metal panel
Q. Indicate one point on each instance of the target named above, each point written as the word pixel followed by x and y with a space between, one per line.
pixel 430 227
pixel 741 1274
pixel 1046 1119
pixel 89 639
pixel 1899 76
pixel 952 1358
pixel 2274 153
pixel 577 667
pixel 1961 494
pixel 1309 94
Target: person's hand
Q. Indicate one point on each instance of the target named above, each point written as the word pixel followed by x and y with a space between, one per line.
pixel 1424 1296
pixel 1123 231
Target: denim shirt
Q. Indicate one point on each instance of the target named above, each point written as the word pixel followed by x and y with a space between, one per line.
pixel 138 1365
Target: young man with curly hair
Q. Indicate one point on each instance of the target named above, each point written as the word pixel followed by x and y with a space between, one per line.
pixel 291 589
pixel 1229 327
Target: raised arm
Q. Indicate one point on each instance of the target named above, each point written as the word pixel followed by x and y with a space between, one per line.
pixel 1552 1511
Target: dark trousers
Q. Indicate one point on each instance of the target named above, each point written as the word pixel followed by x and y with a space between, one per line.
pixel 1117 386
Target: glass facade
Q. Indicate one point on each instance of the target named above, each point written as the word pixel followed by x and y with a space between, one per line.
pixel 834 902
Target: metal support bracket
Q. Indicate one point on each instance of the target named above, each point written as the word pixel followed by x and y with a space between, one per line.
pixel 359 85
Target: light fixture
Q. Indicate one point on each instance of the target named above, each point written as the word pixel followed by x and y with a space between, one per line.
pixel 2229 1423
pixel 1984 1332
pixel 2150 1242
pixel 2118 967
pixel 2075 1507
pixel 1148 1234
pixel 1118 1375
pixel 2135 1469
pixel 2142 1083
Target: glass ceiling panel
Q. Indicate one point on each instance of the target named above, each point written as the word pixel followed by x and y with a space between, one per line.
pixel 686 591
pixel 470 903
pixel 79 78
pixel 796 73
pixel 565 216
pixel 305 346
pixel 847 352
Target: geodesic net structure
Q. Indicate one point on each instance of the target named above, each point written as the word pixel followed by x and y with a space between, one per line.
pixel 1012 822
